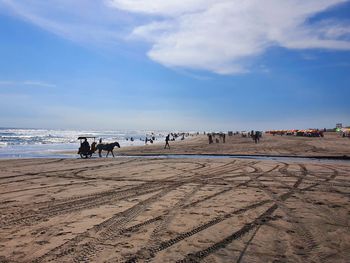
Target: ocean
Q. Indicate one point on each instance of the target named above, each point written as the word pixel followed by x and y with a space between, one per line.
pixel 46 143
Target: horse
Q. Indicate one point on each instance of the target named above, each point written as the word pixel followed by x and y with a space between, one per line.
pixel 106 147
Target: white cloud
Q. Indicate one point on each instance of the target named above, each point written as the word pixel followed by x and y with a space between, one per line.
pixel 26 83
pixel 224 34
pixel 161 7
pixel 220 36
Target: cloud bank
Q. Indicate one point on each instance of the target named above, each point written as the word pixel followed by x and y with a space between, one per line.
pixel 219 36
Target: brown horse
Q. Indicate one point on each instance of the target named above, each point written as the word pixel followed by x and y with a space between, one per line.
pixel 106 147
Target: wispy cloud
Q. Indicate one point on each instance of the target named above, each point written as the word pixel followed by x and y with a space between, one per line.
pixel 220 36
pixel 83 21
pixel 27 83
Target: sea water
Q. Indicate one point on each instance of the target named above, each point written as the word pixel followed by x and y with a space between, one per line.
pixel 27 143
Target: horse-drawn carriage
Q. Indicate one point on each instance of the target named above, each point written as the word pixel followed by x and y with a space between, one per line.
pixel 85 151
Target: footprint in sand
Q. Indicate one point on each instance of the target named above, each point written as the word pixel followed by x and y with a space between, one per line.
pixel 63 233
pixel 205 241
pixel 336 206
pixel 127 245
pixel 42 242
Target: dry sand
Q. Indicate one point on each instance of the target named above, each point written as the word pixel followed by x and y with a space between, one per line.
pixel 330 145
pixel 179 210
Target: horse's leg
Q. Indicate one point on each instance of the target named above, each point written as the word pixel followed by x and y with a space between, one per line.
pixel 99 153
pixel 107 154
pixel 112 153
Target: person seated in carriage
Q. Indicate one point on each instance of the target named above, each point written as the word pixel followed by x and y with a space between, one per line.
pixel 84 147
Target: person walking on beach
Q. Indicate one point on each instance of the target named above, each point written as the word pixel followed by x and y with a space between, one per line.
pixel 167 138
pixel 256 137
pixel 210 138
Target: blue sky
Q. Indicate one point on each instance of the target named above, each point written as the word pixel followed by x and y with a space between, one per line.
pixel 174 65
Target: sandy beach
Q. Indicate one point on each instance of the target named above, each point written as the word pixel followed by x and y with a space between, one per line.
pixel 134 209
pixel 174 131
pixel 330 145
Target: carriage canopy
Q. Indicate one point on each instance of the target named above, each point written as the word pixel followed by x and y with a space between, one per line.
pixel 86 137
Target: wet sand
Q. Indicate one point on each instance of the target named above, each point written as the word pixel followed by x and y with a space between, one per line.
pixel 179 210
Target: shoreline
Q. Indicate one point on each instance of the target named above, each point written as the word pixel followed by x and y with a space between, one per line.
pixel 330 147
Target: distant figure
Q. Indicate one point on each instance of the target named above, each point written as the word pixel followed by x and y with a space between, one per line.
pixel 132 139
pixel 100 141
pixel 252 134
pixel 167 138
pixel 224 138
pixel 256 137
pixel 210 138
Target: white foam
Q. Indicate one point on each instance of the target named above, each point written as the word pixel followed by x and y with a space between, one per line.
pixel 34 142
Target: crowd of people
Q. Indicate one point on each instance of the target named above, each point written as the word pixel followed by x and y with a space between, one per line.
pixel 221 137
pixel 305 133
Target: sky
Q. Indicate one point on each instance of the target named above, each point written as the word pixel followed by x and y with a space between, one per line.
pixel 213 65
